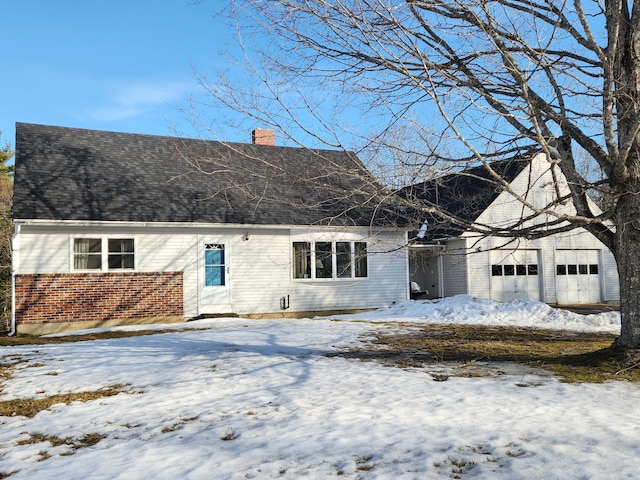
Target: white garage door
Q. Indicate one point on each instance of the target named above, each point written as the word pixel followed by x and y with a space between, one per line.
pixel 578 276
pixel 514 274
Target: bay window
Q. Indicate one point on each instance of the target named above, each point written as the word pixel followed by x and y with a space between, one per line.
pixel 329 260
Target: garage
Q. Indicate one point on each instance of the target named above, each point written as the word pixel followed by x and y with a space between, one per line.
pixel 578 276
pixel 515 274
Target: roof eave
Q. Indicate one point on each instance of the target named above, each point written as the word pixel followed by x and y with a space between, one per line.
pixel 253 226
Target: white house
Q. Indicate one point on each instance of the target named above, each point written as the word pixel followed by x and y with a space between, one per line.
pixel 115 227
pixel 566 268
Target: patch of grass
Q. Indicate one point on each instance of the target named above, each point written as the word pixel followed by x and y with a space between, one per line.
pixel 6 341
pixel 178 425
pixel 515 453
pixel 74 444
pixel 37 437
pixel 363 463
pixel 172 428
pixel 572 356
pixel 43 455
pixel 7 364
pixel 29 407
pixel 131 425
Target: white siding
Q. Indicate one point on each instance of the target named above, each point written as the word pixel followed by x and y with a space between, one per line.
pixel 48 253
pixel 610 278
pixel 259 268
pixel 479 272
pixel 455 268
pixel 259 273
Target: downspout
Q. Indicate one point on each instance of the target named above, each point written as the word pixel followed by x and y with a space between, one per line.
pixel 14 242
pixel 407 266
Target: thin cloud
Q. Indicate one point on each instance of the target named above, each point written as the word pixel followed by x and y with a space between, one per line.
pixel 139 98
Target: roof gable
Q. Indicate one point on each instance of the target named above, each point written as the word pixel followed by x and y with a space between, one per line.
pixel 76 174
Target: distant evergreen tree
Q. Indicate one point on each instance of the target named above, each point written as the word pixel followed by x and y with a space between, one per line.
pixel 6 154
pixel 6 232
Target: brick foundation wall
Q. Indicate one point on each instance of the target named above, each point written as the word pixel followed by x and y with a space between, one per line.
pixel 77 297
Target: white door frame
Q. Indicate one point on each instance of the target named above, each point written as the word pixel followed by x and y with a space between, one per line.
pixel 214 299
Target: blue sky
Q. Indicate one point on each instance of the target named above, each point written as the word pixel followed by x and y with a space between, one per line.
pixel 122 65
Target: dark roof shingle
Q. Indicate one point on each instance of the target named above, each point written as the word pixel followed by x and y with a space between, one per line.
pixel 463 195
pixel 76 174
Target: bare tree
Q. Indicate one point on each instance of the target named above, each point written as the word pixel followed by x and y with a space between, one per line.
pixel 498 77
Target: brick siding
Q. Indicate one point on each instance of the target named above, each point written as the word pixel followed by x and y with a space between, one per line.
pixel 77 297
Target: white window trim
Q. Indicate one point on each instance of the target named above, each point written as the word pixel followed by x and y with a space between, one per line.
pixel 104 264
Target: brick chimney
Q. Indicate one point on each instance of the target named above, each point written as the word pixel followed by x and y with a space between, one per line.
pixel 263 137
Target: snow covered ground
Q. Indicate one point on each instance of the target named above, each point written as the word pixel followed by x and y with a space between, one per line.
pixel 295 413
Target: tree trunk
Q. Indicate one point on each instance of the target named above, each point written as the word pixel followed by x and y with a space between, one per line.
pixel 627 253
pixel 624 30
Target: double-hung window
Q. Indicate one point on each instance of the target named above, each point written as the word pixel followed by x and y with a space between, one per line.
pixel 329 260
pixel 120 253
pixel 103 254
pixel 87 254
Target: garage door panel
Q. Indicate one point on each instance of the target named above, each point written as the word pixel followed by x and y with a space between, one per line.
pixel 514 274
pixel 578 276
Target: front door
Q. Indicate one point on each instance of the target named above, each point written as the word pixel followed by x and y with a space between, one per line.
pixel 214 276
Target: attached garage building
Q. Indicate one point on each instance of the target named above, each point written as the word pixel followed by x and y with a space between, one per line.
pixel 568 268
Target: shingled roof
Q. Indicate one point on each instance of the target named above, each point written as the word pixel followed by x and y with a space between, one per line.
pixel 76 174
pixel 463 195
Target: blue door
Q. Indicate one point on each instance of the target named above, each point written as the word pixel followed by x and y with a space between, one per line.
pixel 214 266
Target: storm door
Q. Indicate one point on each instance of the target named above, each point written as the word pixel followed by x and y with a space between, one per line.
pixel 215 296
